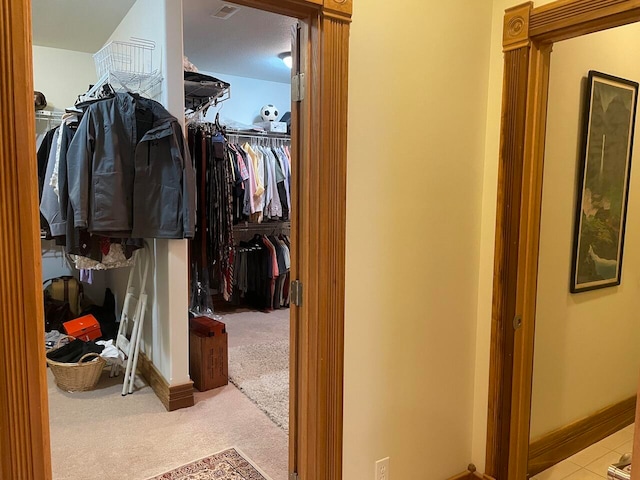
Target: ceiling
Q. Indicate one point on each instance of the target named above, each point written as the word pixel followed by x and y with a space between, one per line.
pixel 247 44
pixel 81 25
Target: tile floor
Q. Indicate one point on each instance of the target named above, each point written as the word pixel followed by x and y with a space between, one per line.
pixel 592 463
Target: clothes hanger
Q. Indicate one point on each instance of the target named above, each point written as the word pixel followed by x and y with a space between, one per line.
pixel 217 121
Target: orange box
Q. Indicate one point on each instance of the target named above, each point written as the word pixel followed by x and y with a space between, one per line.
pixel 84 328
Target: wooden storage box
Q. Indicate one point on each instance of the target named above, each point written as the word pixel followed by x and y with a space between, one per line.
pixel 207 327
pixel 208 353
pixel 84 328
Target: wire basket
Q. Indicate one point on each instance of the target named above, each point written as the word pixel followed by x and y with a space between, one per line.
pixel 129 67
pixel 126 59
pixel 77 377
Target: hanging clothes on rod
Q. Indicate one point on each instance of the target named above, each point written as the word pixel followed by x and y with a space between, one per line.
pixel 242 182
pixel 212 248
pixel 129 171
pixel 263 180
pixel 262 267
pixel 116 171
pixel 52 180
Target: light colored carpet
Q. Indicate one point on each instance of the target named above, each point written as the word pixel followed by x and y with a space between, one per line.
pixel 227 465
pixel 251 328
pixel 261 372
pixel 99 434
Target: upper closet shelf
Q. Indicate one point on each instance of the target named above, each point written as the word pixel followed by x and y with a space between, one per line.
pixel 201 91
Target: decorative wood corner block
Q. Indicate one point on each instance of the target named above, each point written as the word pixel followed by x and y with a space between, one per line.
pixel 342 7
pixel 516 26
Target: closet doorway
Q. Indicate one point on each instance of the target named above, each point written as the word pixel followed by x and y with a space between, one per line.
pixel 316 453
pixel 241 257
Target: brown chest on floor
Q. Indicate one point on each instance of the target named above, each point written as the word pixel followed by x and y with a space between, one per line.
pixel 208 353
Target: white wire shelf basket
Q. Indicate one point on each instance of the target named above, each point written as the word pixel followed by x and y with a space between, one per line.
pixel 134 58
pixel 129 66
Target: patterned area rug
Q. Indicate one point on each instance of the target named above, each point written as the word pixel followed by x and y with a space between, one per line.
pixel 227 465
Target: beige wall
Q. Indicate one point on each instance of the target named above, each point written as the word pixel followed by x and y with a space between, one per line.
pixel 586 351
pixel 418 98
pixel 51 75
pixel 488 229
pixel 487 236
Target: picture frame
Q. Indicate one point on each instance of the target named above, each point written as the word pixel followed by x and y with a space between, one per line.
pixel 610 105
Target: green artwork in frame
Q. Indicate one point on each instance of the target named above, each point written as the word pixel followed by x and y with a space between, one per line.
pixel 603 182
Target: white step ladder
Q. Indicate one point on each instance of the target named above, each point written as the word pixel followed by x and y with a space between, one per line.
pixel 132 319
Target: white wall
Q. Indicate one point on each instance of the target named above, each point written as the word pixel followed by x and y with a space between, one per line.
pixel 248 96
pixel 586 345
pixel 415 167
pixel 62 75
pixel 166 329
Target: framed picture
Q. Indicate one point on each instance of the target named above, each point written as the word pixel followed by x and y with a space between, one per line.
pixel 603 182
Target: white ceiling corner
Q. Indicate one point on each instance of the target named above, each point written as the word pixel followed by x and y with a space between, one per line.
pixel 80 25
pixel 247 44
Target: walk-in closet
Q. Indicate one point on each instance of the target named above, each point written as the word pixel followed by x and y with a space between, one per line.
pixel 157 178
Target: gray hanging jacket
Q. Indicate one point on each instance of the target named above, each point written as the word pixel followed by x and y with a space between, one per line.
pixel 129 171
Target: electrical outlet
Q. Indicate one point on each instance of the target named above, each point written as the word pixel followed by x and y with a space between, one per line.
pixel 382 469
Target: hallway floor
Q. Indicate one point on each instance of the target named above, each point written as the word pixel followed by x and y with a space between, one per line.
pixel 592 462
pixel 100 434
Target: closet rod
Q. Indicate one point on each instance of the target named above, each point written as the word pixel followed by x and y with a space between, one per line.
pixel 258 135
pixel 266 226
pixel 48 115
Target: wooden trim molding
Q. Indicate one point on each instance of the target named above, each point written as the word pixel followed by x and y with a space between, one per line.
pixel 555 446
pixel 24 412
pixel 181 396
pixel 528 40
pixel 342 8
pixel 466 476
pixel 635 457
pixel 172 397
pixel 567 19
pixel 529 227
pixel 516 27
pixel 506 260
pixel 321 266
pixel 471 474
pixel 319 261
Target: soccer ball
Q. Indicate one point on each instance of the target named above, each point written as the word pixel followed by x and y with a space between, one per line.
pixel 269 113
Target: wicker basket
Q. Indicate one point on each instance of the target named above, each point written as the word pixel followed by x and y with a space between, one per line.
pixel 77 377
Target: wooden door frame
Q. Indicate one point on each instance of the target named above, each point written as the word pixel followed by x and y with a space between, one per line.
pixel 320 229
pixel 529 35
